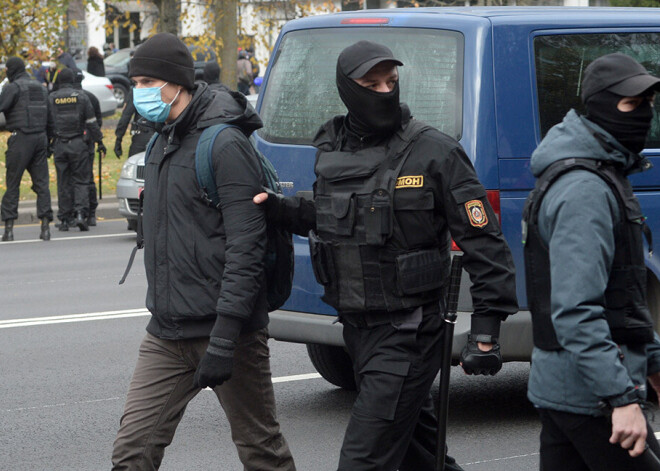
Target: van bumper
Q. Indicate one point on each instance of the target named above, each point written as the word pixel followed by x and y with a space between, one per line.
pixel 301 327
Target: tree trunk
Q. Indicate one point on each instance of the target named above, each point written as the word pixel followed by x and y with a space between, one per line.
pixel 226 28
pixel 169 17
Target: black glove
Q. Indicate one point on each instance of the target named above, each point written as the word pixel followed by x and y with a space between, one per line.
pixel 118 151
pixel 101 148
pixel 216 364
pixel 476 362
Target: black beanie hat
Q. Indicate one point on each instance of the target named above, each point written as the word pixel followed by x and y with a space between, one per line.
pixel 65 76
pixel 15 66
pixel 165 57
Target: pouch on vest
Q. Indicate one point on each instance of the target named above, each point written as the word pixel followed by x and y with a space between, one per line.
pixel 337 213
pixel 417 272
pixel 378 218
pixel 321 257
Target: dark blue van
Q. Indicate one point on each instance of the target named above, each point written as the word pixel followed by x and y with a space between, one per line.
pixel 494 78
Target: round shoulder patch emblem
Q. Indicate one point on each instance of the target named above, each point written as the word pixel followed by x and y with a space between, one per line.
pixel 476 213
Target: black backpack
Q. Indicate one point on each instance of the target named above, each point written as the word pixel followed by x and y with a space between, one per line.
pixel 279 258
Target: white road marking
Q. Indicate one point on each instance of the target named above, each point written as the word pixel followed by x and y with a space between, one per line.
pixel 60 239
pixel 281 379
pixel 500 459
pixel 91 316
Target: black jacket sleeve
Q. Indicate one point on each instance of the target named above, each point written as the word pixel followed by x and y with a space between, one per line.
pixel 295 213
pixel 8 97
pixel 238 178
pixel 126 116
pixel 475 228
pixel 90 121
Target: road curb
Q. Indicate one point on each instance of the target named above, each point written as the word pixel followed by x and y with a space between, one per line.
pixel 27 210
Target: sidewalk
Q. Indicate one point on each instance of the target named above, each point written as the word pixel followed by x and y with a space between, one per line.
pixel 27 210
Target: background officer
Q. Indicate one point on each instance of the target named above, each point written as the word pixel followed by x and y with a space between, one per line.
pixel 96 106
pixel 594 343
pixel 141 129
pixel 72 115
pixel 380 244
pixel 24 101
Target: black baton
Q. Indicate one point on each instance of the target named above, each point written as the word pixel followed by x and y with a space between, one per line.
pixel 443 395
pixel 100 176
pixel 648 460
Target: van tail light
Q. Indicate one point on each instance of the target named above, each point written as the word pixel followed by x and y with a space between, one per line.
pixel 493 197
pixel 110 87
pixel 365 21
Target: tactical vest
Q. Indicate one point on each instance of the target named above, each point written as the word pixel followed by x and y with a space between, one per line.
pixel 626 310
pixel 29 113
pixel 359 253
pixel 68 104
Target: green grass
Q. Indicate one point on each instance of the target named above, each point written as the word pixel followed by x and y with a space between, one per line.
pixel 110 169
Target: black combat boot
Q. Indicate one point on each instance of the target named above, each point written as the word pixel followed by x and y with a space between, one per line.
pixel 45 230
pixel 9 231
pixel 91 220
pixel 81 222
pixel 63 226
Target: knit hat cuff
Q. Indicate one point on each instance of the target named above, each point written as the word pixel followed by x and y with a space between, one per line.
pixel 163 70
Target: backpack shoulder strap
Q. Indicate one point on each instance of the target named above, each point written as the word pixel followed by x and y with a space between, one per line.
pixel 150 145
pixel 204 162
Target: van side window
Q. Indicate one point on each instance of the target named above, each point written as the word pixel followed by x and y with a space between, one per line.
pixel 301 93
pixel 560 61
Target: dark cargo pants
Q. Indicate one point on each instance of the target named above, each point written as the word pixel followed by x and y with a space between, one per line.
pixel 27 152
pixel 575 442
pixel 162 387
pixel 93 200
pixel 393 425
pixel 71 163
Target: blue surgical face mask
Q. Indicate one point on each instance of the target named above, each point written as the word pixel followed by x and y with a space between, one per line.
pixel 149 104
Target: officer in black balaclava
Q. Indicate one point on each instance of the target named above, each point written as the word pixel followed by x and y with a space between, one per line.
pixel 72 116
pixel 212 76
pixel 390 194
pixel 24 101
pixel 594 344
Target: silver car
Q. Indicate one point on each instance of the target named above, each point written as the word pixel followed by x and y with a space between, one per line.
pixel 129 185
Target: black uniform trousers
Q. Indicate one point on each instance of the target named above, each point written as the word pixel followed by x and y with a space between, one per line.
pixel 393 425
pixel 576 442
pixel 93 200
pixel 27 152
pixel 72 163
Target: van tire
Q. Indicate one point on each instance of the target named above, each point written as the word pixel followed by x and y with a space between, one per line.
pixel 333 364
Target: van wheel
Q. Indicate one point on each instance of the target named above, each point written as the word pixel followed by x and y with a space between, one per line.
pixel 333 363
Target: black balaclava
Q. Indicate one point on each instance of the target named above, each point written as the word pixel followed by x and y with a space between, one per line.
pixel 629 128
pixel 369 112
pixel 15 67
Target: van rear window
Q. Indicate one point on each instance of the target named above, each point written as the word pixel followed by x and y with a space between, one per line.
pixel 560 63
pixel 301 93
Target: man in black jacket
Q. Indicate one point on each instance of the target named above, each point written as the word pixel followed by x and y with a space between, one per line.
pixel 389 193
pixel 204 268
pixel 25 104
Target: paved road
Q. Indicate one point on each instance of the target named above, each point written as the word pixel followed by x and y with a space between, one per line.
pixel 68 342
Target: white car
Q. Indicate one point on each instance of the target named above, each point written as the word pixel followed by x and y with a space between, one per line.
pixel 101 87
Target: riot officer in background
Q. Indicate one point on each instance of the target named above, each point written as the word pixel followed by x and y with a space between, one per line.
pixel 72 115
pixel 24 102
pixel 96 106
pixel 141 129
pixel 390 194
